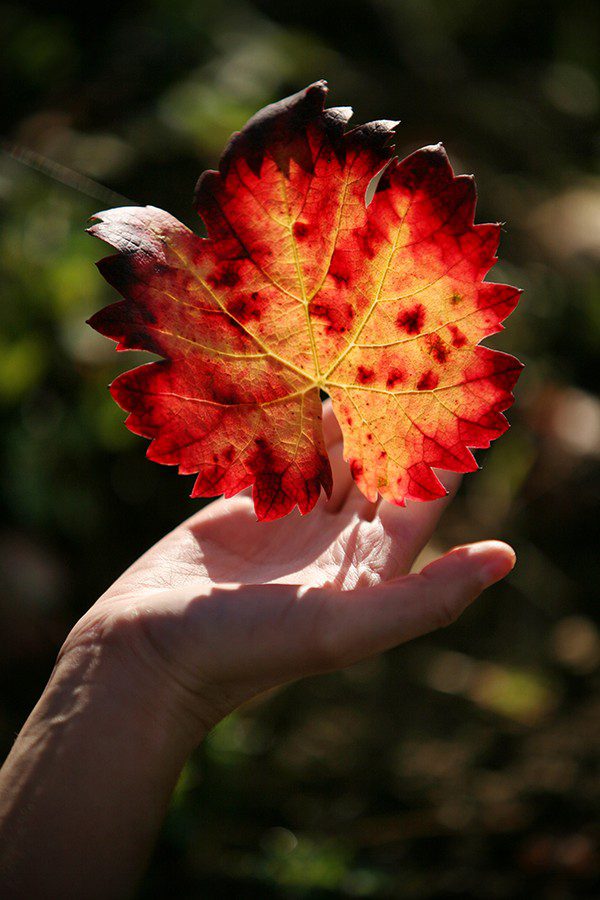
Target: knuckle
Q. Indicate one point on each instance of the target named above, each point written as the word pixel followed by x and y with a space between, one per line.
pixel 446 611
pixel 328 651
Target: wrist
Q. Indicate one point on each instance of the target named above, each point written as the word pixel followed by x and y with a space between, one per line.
pixel 112 650
pixel 99 757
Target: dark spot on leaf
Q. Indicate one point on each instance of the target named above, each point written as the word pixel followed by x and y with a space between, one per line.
pixel 395 377
pixel 428 381
pixel 458 338
pixel 412 320
pixel 356 468
pixel 364 239
pixel 228 277
pixel 339 269
pixel 338 316
pixel 455 299
pixel 236 326
pixel 261 460
pixel 229 453
pixel 339 277
pixel 365 375
pixel 227 394
pixel 245 308
pixel 300 230
pixel 437 348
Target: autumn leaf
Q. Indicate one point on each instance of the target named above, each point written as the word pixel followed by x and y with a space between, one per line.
pixel 301 287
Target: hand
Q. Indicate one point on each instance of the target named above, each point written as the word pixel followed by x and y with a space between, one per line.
pixel 224 608
pixel 220 610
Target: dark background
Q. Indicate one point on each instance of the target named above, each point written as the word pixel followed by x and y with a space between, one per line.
pixel 464 765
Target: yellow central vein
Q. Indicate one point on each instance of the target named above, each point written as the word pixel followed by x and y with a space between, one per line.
pixel 314 382
pixel 375 300
pixel 300 276
pixel 347 184
pixel 252 259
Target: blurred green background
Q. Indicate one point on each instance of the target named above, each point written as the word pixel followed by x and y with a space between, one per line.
pixel 465 764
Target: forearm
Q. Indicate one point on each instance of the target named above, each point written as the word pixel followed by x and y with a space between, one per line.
pixel 86 785
pixel 144 676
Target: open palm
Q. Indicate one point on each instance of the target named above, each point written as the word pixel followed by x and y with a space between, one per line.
pixel 230 607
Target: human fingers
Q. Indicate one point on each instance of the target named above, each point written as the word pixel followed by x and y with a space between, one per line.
pixel 369 620
pixel 343 483
pixel 410 527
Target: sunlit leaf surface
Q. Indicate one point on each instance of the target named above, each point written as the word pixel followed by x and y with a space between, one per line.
pixel 301 287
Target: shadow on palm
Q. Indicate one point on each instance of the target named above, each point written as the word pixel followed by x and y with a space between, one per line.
pixel 230 607
pixel 344 542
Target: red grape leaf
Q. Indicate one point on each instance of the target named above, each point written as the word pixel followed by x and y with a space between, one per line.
pixel 301 286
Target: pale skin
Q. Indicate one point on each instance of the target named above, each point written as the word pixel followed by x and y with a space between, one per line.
pixel 222 609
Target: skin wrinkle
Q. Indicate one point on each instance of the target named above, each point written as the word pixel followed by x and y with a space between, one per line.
pixel 369 553
pixel 190 565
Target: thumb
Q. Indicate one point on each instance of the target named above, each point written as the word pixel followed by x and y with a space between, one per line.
pixel 375 619
pixel 448 585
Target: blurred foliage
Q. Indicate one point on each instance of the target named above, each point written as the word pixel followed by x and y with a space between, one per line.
pixel 464 765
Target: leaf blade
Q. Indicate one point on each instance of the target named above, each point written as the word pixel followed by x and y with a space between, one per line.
pixel 298 287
